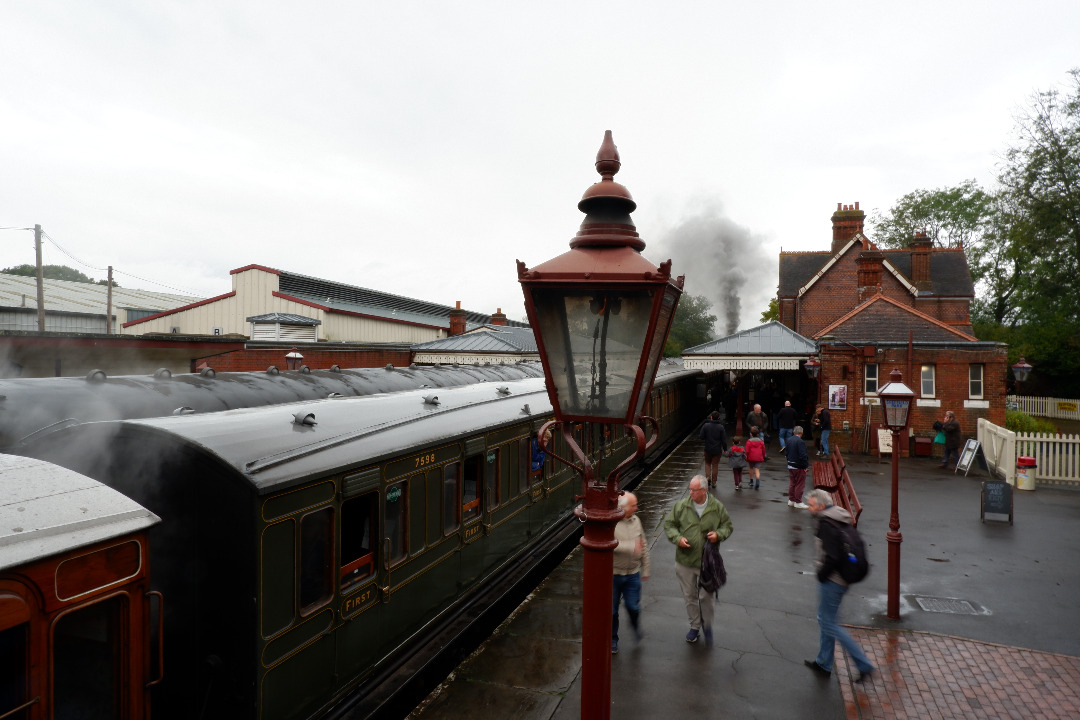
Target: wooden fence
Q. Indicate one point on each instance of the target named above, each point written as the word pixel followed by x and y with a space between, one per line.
pixel 1057 457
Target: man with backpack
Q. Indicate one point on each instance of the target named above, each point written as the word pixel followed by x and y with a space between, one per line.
pixel 841 559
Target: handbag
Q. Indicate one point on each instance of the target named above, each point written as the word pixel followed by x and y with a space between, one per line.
pixel 940 437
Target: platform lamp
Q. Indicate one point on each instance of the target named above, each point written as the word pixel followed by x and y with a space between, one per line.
pixel 600 314
pixel 293 360
pixel 896 400
pixel 1021 370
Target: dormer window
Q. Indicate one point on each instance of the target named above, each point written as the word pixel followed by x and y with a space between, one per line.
pixel 284 327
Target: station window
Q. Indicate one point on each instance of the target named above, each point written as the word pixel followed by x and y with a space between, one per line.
pixel 359 538
pixel 451 497
pixel 397 520
pixel 975 382
pixel 471 484
pixel 870 378
pixel 493 475
pixel 928 376
pixel 316 559
pixel 89 660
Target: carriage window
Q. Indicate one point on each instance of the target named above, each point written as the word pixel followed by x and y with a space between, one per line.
pixel 493 476
pixel 524 464
pixel 451 495
pixel 13 660
pixel 316 559
pixel 397 520
pixel 89 661
pixel 359 538
pixel 470 487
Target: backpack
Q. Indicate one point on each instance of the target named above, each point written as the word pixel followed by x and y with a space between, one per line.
pixel 713 574
pixel 853 566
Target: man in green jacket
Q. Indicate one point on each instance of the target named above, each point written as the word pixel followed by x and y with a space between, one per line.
pixel 692 522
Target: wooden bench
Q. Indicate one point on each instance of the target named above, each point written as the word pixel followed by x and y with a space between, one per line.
pixel 832 476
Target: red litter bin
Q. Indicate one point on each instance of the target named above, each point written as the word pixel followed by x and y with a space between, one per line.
pixel 1025 473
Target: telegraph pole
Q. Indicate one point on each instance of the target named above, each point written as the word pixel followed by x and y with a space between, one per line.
pixel 108 306
pixel 40 281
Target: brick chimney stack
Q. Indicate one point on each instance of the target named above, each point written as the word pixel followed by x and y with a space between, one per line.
pixel 457 321
pixel 499 318
pixel 846 222
pixel 868 265
pixel 920 260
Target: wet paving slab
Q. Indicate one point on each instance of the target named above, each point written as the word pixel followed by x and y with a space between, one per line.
pixel 1024 589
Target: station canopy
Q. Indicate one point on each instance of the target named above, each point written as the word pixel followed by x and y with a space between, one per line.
pixel 772 346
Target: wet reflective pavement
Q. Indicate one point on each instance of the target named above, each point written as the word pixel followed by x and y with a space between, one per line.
pixel 987 624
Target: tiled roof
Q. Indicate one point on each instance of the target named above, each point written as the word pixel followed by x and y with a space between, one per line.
pixel 772 338
pixel 886 320
pixel 488 339
pixel 949 274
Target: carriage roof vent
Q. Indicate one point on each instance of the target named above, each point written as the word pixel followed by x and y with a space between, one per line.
pixel 431 399
pixel 96 376
pixel 525 409
pixel 208 372
pixel 304 418
pixel 185 410
pixel 390 367
pixel 503 390
pixel 305 370
pixel 272 370
pixel 163 373
pixel 335 368
pixel 334 395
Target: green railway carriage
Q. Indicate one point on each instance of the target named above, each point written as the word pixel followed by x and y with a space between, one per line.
pixel 308 549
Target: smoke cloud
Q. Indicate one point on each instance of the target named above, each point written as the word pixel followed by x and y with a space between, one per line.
pixel 725 262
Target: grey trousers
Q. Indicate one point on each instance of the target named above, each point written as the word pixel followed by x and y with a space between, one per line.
pixel 699 603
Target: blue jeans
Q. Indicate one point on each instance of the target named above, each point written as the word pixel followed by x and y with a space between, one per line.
pixel 828 607
pixel 825 441
pixel 951 453
pixel 785 433
pixel 629 588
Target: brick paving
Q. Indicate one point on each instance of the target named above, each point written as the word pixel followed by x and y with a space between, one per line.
pixel 925 675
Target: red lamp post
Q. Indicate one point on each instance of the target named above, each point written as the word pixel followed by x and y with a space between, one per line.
pixel 601 315
pixel 896 400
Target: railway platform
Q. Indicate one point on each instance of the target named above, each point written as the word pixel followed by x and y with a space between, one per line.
pixel 987 629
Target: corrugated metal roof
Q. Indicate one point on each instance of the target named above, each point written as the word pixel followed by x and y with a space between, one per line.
pixel 46 509
pixel 284 318
pixel 68 296
pixel 372 302
pixel 772 338
pixel 488 339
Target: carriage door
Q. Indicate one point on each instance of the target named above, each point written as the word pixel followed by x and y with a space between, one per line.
pixel 20 675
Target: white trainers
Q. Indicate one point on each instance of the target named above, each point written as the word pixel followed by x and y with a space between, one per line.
pixel 791 503
pixel 800 506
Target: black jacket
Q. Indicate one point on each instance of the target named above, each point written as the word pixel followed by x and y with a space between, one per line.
pixel 715 437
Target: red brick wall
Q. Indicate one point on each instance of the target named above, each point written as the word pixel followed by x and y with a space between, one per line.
pixel 255 359
pixel 951 375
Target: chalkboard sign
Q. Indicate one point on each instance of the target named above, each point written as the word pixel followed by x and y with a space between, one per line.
pixel 996 498
pixel 967 456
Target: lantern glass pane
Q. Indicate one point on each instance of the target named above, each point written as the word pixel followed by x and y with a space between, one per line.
pixel 593 341
pixel 896 411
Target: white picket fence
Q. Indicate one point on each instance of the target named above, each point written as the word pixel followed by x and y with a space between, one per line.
pixel 1057 457
pixel 1059 408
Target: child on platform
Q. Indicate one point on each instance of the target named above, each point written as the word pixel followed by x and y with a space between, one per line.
pixel 737 458
pixel 755 456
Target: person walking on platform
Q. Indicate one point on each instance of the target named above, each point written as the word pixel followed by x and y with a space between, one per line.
pixel 692 522
pixel 715 437
pixel 761 420
pixel 951 427
pixel 737 460
pixel 630 567
pixel 824 428
pixel 756 454
pixel 797 462
pixel 831 587
pixel 785 421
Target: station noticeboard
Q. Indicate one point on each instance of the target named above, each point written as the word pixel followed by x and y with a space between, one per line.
pixel 967 456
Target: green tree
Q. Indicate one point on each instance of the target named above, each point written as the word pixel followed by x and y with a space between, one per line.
pixel 951 217
pixel 51 272
pixel 693 325
pixel 772 312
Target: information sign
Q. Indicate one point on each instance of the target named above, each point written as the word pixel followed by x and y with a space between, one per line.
pixel 996 497
pixel 971 447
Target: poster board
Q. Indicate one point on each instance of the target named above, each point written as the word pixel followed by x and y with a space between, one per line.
pixel 967 455
pixel 838 397
pixel 996 497
pixel 884 442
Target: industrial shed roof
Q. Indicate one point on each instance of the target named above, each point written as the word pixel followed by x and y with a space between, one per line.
pixel 76 297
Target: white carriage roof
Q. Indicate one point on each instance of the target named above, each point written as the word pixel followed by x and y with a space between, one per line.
pixel 772 346
pixel 46 509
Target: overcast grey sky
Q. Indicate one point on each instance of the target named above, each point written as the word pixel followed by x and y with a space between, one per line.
pixel 419 148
